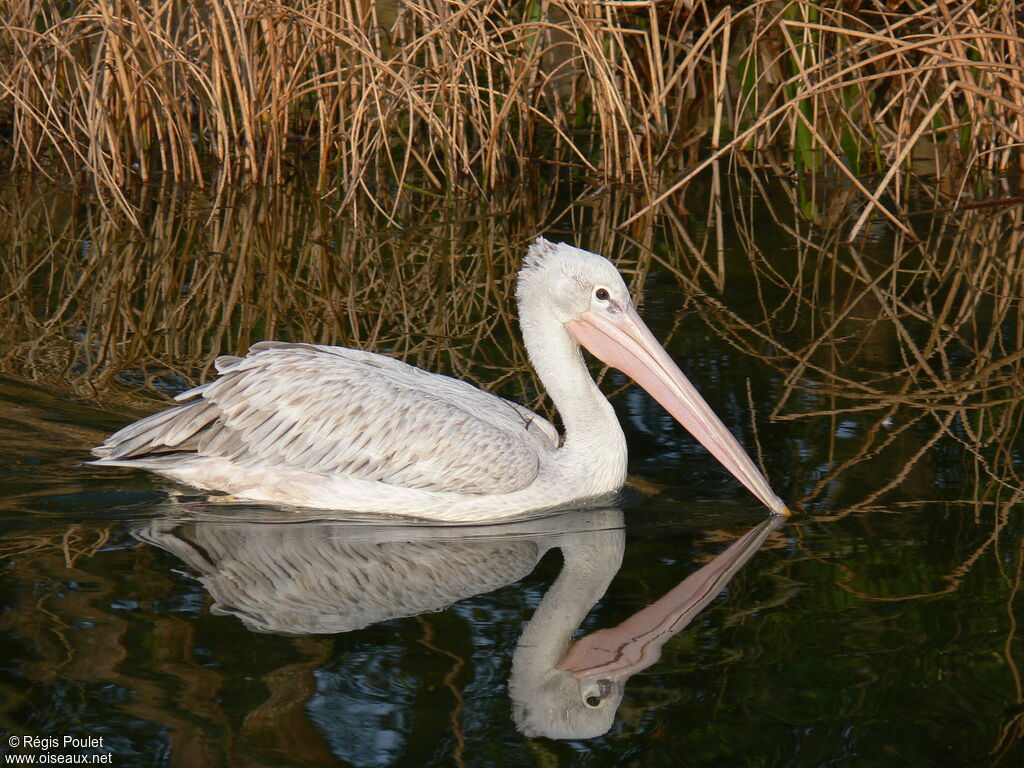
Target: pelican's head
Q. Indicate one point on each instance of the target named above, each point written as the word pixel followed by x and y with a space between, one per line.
pixel 586 295
pixel 568 281
pixel 559 706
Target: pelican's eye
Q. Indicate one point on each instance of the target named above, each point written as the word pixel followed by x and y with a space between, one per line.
pixel 601 294
pixel 595 692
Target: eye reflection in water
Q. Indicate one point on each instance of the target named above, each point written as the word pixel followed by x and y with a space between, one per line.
pixel 321 577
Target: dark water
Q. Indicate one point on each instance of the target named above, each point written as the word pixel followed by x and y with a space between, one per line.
pixel 880 384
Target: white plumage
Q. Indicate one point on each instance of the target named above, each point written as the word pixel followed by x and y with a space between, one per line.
pixel 339 411
pixel 337 428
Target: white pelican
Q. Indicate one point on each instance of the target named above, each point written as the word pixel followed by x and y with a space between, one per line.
pixel 342 429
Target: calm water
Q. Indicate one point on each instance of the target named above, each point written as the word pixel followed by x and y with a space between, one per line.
pixel 880 385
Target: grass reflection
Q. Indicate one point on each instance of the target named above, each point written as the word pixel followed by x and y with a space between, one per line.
pixel 882 377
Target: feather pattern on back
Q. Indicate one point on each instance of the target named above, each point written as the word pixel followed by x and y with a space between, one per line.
pixel 340 411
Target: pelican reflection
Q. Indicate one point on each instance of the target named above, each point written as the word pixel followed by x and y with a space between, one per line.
pixel 326 577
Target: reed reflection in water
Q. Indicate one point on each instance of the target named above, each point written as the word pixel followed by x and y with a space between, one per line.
pixel 885 390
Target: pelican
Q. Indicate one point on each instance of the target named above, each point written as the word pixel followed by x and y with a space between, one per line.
pixel 332 428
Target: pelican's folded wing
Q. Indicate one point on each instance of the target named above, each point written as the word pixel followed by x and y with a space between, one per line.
pixel 334 410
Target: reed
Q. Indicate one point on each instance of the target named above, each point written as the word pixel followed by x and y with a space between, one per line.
pixel 388 97
pixel 439 94
pixel 927 88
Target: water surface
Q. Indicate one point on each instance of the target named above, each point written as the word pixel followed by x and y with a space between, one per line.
pixel 879 383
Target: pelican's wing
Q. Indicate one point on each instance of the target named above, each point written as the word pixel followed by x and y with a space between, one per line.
pixel 302 578
pixel 339 411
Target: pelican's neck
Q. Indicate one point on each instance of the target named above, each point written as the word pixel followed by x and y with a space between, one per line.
pixel 593 436
pixel 545 700
pixel 590 562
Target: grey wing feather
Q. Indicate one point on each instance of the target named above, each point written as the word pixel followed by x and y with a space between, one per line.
pixel 334 410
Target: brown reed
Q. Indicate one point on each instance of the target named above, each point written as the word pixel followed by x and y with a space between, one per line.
pixel 453 96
